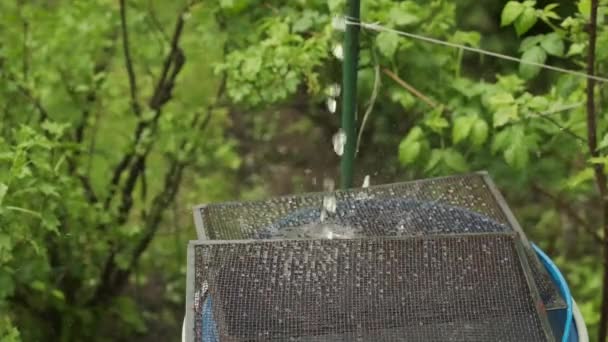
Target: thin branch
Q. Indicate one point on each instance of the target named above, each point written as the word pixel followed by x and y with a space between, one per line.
pixel 128 60
pixel 113 279
pixel 571 212
pixel 26 53
pixel 156 23
pixel 174 60
pixel 410 88
pixel 370 108
pixel 600 176
pixel 160 203
pixel 172 65
pixel 44 114
pixel 562 128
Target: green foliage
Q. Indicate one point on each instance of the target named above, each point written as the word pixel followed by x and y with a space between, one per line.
pixel 72 114
pixel 73 237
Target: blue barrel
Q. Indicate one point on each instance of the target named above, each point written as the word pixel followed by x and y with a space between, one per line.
pixel 567 324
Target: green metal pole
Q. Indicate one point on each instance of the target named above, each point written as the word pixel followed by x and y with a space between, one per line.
pixel 349 97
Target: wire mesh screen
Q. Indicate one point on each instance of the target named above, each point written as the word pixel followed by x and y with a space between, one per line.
pixel 440 288
pixel 465 204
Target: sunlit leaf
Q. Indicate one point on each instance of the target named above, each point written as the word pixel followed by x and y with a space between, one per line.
pixel 525 20
pixel 553 44
pixel 510 12
pixel 529 68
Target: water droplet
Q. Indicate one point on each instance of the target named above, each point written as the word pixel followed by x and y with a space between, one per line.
pixel 339 140
pixel 332 105
pixel 338 23
pixel 366 181
pixel 329 203
pixel 329 184
pixel 333 90
pixel 338 51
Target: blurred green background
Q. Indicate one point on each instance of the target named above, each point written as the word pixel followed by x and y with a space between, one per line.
pixel 118 116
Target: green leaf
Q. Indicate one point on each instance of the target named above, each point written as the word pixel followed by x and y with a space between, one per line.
pixel 434 160
pixel 409 151
pixel 462 128
pixel 598 160
pixel 511 83
pixel 516 155
pixel 335 5
pixel 529 42
pixel 226 3
pixel 576 49
pixel 410 147
pixel 510 12
pixel 501 140
pixel 251 67
pixel 25 211
pixel 58 294
pixel 602 145
pixel 401 17
pixel 56 129
pixel 437 123
pixel 534 55
pixel 550 7
pixel 127 310
pixel 581 177
pixel 455 160
pixel 415 134
pixel 304 22
pixel 505 115
pixel 470 38
pixel 500 99
pixel 538 103
pixel 3 190
pixel 525 21
pixel 7 284
pixel 387 43
pixel 553 44
pixel 584 8
pixel 479 133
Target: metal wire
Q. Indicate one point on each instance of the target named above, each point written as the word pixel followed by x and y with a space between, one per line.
pixel 380 28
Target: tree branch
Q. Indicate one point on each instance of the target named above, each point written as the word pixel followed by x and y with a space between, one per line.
pixel 600 176
pixel 571 212
pixel 44 114
pixel 172 65
pixel 410 88
pixel 128 60
pixel 114 279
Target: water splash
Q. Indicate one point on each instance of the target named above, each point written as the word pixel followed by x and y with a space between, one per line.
pixel 333 90
pixel 329 184
pixel 339 140
pixel 338 23
pixel 332 105
pixel 329 203
pixel 366 182
pixel 338 51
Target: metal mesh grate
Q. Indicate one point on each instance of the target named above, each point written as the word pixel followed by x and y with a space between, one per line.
pixel 452 205
pixel 440 288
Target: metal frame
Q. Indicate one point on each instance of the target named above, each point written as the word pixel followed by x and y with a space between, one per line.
pixel 192 286
pixel 190 289
pixel 197 210
pixel 502 203
pixel 532 286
